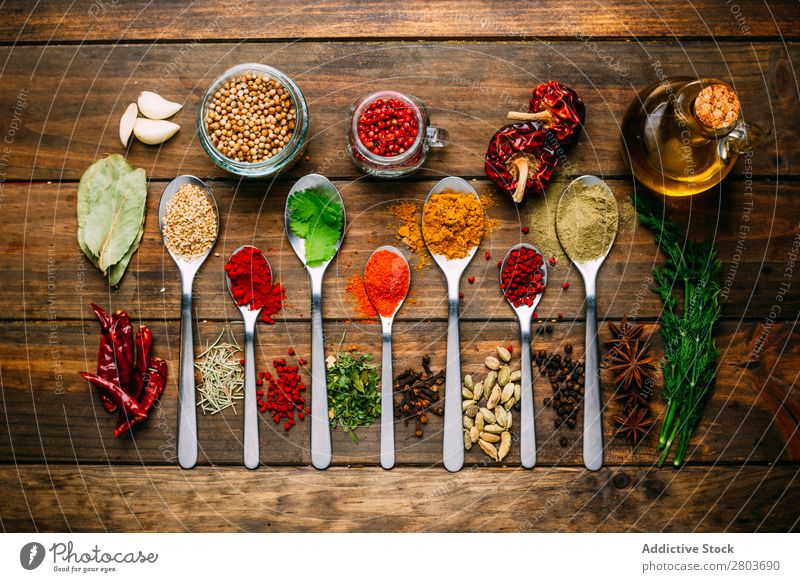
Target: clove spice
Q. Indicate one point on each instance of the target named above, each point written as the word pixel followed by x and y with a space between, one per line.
pixel 418 393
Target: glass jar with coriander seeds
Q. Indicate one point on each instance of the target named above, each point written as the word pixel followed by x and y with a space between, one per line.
pixel 389 134
pixel 253 121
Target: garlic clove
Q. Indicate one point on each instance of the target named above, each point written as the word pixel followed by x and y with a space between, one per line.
pixel 126 123
pixel 154 106
pixel 154 131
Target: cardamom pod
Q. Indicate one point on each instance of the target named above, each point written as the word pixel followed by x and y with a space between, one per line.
pixel 477 392
pixel 488 383
pixel 505 445
pixel 517 391
pixel 479 424
pixel 508 392
pixel 516 376
pixel 494 397
pixel 472 411
pixel 493 428
pixel 468 381
pixel 474 434
pixel 503 354
pixel 503 375
pixel 509 403
pixel 492 363
pixel 467 393
pixel 510 419
pixel 468 422
pixel 488 416
pixel 501 416
pixel 467 440
pixel 489 437
pixel 467 403
pixel 488 448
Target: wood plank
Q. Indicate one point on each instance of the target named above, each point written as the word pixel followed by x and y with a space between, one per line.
pixel 59 21
pixel 116 499
pixel 61 104
pixel 46 275
pixel 51 414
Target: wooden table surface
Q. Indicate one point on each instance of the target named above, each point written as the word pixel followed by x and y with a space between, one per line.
pixel 69 69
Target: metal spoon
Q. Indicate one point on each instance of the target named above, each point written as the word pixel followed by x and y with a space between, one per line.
pixel 453 269
pixel 592 420
pixel 527 445
pixel 387 376
pixel 187 420
pixel 320 425
pixel 250 317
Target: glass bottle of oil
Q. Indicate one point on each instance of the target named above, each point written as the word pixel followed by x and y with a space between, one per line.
pixel 682 136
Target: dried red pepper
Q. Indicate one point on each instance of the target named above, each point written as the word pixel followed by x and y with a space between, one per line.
pixel 120 397
pixel 124 383
pixel 106 359
pixel 155 381
pixel 558 107
pixel 521 160
pixel 144 344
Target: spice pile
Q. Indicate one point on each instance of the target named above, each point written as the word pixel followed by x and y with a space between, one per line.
pixel 190 223
pixel 487 406
pixel 319 221
pixel 453 224
pixel 629 360
pixel 251 283
pixel 284 395
pixel 409 231
pixel 251 118
pixel 354 399
pixel 416 394
pixel 567 381
pixel 111 204
pixel 386 279
pixel 586 221
pixel 522 278
pixel 221 376
pixel 522 157
pixel 357 295
pixel 388 127
pixel 688 334
pixel 128 378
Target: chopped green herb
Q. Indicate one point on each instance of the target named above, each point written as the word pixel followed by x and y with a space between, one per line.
pixel 221 380
pixel 317 219
pixel 353 396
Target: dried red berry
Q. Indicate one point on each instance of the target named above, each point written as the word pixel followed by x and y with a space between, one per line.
pixel 471 280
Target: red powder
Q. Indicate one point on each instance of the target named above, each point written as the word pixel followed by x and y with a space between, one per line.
pixel 387 279
pixel 251 283
pixel 359 298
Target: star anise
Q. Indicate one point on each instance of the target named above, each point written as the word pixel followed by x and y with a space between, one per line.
pixel 625 332
pixel 632 364
pixel 635 425
pixel 632 398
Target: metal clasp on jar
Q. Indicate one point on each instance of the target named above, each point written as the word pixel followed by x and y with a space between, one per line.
pixel 437 137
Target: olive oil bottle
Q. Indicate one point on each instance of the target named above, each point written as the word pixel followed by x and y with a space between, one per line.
pixel 683 135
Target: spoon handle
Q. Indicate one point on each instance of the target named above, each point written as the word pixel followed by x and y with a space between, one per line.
pixel 320 425
pixel 187 421
pixel 387 402
pixel 453 427
pixel 592 421
pixel 251 453
pixel 527 445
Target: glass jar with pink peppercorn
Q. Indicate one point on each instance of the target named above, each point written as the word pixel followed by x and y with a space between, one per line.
pixel 389 134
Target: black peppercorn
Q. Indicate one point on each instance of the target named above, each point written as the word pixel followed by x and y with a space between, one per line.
pixel 568 348
pixel 563 441
pixel 547 401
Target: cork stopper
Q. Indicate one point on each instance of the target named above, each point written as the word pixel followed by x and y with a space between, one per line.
pixel 717 106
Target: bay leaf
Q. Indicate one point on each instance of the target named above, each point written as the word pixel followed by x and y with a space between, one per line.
pixel 111 204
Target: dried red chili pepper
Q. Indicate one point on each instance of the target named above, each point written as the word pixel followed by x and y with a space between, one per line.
pixel 144 344
pixel 520 159
pixel 558 107
pixel 121 332
pixel 155 381
pixel 120 397
pixel 106 359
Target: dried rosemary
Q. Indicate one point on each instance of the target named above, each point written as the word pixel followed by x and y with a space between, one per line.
pixel 221 380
